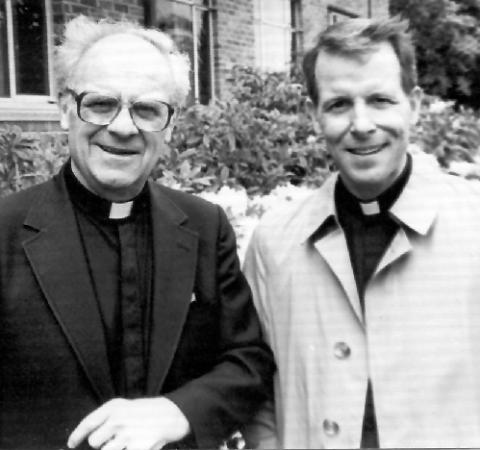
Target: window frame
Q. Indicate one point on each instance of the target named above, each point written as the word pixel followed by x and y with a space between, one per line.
pixel 294 28
pixel 25 107
pixel 334 11
pixel 210 9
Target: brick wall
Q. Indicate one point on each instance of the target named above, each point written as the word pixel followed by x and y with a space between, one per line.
pixel 233 38
pixel 64 10
pixel 233 34
pixel 314 13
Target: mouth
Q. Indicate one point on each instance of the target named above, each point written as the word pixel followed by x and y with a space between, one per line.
pixel 366 150
pixel 118 151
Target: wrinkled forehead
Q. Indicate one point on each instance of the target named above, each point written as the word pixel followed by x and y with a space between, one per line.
pixel 125 64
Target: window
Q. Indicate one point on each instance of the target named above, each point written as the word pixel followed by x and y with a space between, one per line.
pixel 335 14
pixel 278 33
pixel 189 22
pixel 24 48
pixel 297 31
pixel 25 69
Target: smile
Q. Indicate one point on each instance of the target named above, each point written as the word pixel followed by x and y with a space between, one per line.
pixel 365 151
pixel 118 151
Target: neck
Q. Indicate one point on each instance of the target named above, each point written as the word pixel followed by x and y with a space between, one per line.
pixel 369 193
pixel 110 194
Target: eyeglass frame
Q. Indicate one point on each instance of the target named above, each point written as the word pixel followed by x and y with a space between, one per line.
pixel 79 97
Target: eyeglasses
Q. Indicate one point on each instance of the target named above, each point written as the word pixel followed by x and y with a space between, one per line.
pixel 102 109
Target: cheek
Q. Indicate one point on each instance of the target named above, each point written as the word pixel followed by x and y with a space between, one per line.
pixel 334 129
pixel 395 123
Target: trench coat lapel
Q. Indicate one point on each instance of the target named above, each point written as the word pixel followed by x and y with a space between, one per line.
pixel 331 244
pixel 333 248
pixel 175 260
pixel 56 256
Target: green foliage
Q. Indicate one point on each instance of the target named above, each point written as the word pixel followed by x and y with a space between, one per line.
pixel 447 40
pixel 259 137
pixel 449 134
pixel 27 160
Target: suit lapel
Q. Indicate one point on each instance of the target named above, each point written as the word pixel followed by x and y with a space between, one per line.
pixel 57 259
pixel 175 260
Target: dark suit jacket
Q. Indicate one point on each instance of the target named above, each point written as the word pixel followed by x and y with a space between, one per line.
pixel 206 355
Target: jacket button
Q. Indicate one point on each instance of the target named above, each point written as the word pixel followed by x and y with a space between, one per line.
pixel 341 350
pixel 330 427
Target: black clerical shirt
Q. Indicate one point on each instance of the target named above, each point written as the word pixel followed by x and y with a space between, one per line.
pixel 368 236
pixel 118 253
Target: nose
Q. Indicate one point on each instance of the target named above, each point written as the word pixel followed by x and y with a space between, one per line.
pixel 362 122
pixel 123 124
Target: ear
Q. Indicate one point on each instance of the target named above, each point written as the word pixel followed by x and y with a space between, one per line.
pixel 64 105
pixel 313 112
pixel 415 99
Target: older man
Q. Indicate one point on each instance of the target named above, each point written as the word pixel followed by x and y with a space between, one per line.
pixel 369 290
pixel 125 320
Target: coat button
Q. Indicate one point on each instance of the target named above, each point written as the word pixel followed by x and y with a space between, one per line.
pixel 330 427
pixel 341 350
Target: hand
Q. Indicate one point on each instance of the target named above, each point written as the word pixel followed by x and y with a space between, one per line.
pixel 141 424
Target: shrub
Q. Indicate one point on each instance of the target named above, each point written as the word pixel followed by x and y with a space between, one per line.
pixel 259 137
pixel 26 159
pixel 450 134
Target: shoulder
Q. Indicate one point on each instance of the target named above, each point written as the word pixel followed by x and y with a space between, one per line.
pixel 201 215
pixel 185 200
pixel 286 224
pixel 14 207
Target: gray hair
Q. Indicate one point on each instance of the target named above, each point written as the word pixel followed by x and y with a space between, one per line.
pixel 82 32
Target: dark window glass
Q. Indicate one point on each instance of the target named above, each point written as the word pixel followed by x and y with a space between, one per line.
pixel 203 51
pixel 30 42
pixel 4 77
pixel 297 33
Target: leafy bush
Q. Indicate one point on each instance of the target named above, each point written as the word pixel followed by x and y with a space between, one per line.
pixel 260 137
pixel 449 134
pixel 26 159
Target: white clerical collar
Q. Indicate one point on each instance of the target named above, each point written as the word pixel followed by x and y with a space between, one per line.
pixel 370 208
pixel 120 210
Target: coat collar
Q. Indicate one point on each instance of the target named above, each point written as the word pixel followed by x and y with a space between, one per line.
pixel 416 208
pixel 55 253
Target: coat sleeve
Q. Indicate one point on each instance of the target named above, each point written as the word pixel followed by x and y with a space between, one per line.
pixel 226 397
pixel 261 431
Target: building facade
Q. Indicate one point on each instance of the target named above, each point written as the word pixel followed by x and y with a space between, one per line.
pixel 217 34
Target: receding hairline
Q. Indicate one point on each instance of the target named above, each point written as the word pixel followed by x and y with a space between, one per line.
pixel 110 44
pixel 82 33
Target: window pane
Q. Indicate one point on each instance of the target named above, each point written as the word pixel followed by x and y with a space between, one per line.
pixel 273 40
pixel 275 11
pixel 176 18
pixel 30 40
pixel 275 48
pixel 4 78
pixel 203 49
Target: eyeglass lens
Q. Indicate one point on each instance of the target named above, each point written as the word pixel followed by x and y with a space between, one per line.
pixel 148 115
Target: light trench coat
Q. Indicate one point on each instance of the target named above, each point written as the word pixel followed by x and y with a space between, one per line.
pixel 418 341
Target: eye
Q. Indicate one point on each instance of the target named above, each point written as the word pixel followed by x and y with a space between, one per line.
pixel 99 103
pixel 147 110
pixel 150 110
pixel 337 106
pixel 382 101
